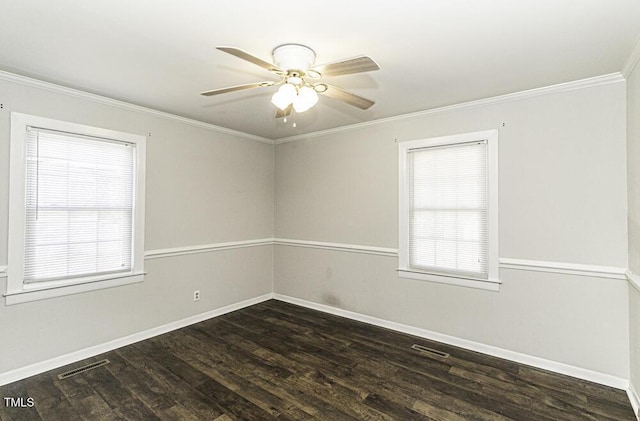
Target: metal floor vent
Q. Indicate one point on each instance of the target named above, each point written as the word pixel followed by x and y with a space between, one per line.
pixel 82 369
pixel 429 351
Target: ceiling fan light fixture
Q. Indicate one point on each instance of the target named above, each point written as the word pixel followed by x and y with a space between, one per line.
pixel 285 95
pixel 294 64
pixel 307 98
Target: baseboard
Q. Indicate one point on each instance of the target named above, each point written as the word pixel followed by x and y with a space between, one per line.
pixel 635 400
pixel 581 373
pixel 41 367
pixel 569 370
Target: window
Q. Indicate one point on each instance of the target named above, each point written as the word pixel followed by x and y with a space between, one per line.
pixel 76 208
pixel 449 210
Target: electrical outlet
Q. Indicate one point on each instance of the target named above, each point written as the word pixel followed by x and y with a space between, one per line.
pixel 196 295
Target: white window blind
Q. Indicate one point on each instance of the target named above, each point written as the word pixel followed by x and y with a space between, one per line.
pixel 447 205
pixel 79 206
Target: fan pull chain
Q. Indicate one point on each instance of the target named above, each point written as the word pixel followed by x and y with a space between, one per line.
pixel 293 122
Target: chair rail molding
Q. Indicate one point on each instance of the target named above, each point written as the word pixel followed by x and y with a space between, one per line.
pixel 565 268
pixel 205 248
pixel 634 279
pixel 350 248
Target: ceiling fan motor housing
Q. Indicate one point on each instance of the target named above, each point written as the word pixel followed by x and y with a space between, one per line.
pixel 294 57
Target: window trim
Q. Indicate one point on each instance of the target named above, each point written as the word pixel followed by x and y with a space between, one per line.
pixel 17 290
pixel 492 283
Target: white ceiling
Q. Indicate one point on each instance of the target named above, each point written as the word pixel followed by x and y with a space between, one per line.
pixel 161 54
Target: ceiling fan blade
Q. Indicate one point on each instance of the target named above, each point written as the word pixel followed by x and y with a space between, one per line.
pixel 252 59
pixel 237 88
pixel 346 96
pixel 284 113
pixel 346 67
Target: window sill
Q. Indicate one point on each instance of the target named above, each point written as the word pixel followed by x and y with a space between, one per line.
pixel 488 285
pixel 35 292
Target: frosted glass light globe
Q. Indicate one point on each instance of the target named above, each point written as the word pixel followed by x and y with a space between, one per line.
pixel 284 97
pixel 307 98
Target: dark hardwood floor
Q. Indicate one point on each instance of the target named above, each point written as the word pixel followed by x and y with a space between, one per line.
pixel 276 360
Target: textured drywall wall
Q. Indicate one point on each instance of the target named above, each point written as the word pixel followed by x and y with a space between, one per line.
pixel 562 199
pixel 203 187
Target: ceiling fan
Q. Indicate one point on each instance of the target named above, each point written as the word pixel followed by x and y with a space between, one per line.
pixel 298 87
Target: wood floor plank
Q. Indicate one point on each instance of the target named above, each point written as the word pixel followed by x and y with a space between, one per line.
pixel 524 394
pixel 51 404
pixel 338 397
pixel 88 404
pixel 241 384
pixel 279 361
pixel 505 371
pixel 560 382
pixel 232 404
pixel 119 397
pixel 143 387
pixel 169 383
pixel 10 413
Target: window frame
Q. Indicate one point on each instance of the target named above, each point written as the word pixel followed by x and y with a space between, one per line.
pixel 492 282
pixel 17 290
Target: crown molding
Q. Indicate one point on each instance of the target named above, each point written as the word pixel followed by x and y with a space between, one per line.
pixel 561 87
pixel 632 61
pixel 35 83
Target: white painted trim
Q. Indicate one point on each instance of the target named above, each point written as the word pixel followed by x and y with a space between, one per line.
pixel 492 282
pixel 634 399
pixel 351 248
pixel 634 279
pixel 41 367
pixel 3 271
pixel 17 290
pixel 553 89
pixel 564 268
pixel 180 251
pixel 35 83
pixel 632 61
pixel 43 292
pixel 493 285
pixel 569 370
pixel 504 263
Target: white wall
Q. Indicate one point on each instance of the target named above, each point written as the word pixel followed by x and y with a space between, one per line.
pixel 633 170
pixel 562 199
pixel 203 186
